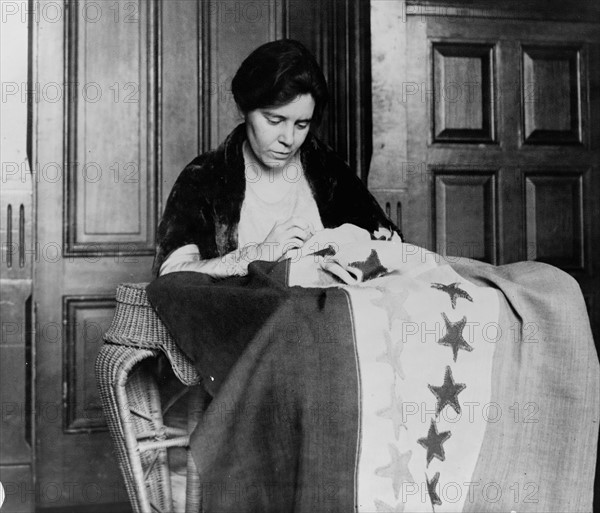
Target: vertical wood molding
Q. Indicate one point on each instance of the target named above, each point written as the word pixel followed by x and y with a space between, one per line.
pixel 389 70
pixel 155 80
pixel 362 136
pixel 278 25
pixel 71 49
pixel 206 115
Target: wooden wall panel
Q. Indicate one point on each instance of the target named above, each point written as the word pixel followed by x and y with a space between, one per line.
pixel 551 91
pixel 463 92
pixel 554 219
pixel 111 136
pixel 85 320
pixel 465 214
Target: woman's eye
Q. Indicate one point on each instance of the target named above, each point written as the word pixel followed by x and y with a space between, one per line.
pixel 302 126
pixel 272 121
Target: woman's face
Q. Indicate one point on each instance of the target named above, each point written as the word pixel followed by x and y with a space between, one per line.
pixel 276 133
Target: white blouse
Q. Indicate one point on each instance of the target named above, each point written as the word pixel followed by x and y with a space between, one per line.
pixel 257 218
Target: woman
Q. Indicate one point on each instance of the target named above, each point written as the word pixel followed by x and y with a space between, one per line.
pixel 272 185
pixel 312 387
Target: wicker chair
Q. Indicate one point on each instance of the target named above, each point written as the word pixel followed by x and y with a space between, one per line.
pixel 129 390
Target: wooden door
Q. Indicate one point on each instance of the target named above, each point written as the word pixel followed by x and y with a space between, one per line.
pixel 503 132
pixel 96 189
pixel 98 137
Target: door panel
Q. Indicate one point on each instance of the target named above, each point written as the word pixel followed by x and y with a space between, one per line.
pixel 552 95
pixel 111 141
pixel 505 132
pixel 465 213
pixel 463 110
pixel 86 319
pixel 555 236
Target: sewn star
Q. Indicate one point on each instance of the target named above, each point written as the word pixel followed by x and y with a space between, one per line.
pixel 433 496
pixel 382 507
pixel 392 354
pixel 453 290
pixel 453 336
pixel 394 413
pixel 448 392
pixel 433 443
pixel 393 304
pixel 397 470
pixel 371 267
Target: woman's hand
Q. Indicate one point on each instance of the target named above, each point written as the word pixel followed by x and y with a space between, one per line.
pixel 284 236
pixel 336 237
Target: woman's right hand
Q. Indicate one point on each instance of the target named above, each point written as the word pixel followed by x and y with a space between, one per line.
pixel 284 236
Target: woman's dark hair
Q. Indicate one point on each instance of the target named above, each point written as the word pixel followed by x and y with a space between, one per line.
pixel 276 73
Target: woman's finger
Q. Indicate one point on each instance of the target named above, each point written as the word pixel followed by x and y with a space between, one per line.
pixel 301 222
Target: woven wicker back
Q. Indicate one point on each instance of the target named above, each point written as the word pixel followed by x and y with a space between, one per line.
pixel 136 324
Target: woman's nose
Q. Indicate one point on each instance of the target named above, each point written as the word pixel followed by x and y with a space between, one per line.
pixel 286 136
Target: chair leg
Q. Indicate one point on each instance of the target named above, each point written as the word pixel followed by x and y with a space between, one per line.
pixel 113 366
pixel 146 424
